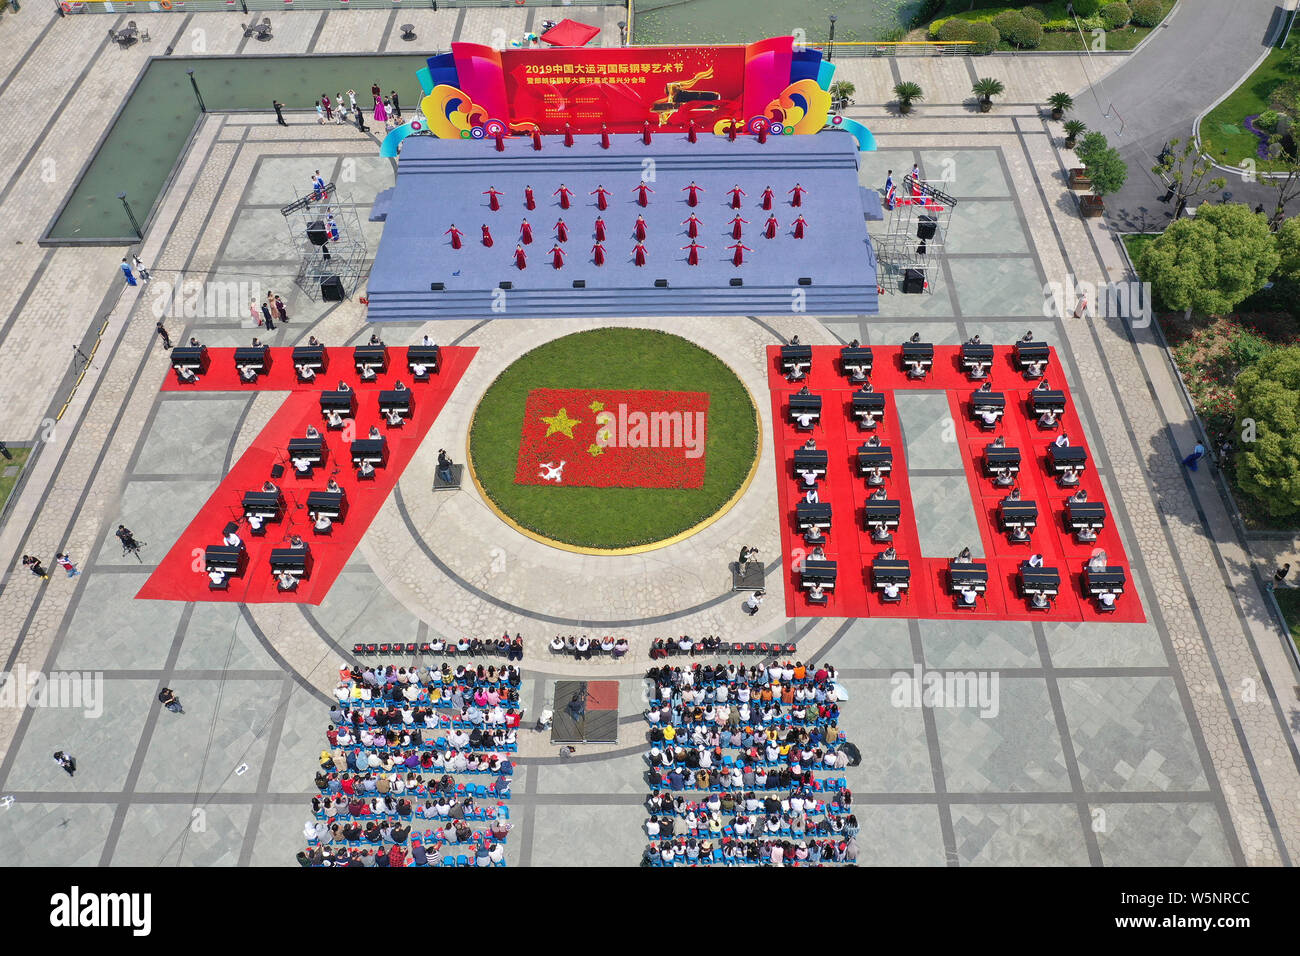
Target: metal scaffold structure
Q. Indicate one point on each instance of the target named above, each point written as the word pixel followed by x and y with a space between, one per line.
pixel 325 229
pixel 910 248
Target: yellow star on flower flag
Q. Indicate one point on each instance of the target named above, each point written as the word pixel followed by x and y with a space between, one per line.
pixel 593 450
pixel 597 406
pixel 560 422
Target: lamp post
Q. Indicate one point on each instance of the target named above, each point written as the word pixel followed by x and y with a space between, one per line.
pixel 622 33
pixel 830 44
pixel 197 95
pixel 130 215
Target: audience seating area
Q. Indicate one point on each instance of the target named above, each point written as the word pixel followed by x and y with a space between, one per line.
pixel 512 649
pixel 763 805
pixel 384 774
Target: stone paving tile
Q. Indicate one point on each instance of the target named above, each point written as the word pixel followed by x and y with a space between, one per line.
pixel 174 835
pixel 562 835
pixel 1160 834
pixel 895 756
pixel 1018 835
pixel 54 834
pixel 986 644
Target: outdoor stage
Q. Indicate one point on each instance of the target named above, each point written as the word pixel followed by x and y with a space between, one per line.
pixel 441 182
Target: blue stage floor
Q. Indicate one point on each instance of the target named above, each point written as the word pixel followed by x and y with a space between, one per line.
pixel 440 182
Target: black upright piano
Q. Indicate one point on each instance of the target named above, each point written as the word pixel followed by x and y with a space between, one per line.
pixel 874 462
pixel 373 357
pixel 192 358
pixel 312 450
pixel 887 571
pixel 810 459
pixel 982 401
pixel 1084 519
pixel 1043 400
pixel 801 405
pixel 309 361
pixel 976 360
pixel 1067 462
pixel 967 576
pixel 815 515
pixel 855 362
pixel 257 358
pixel 1032 358
pixel 868 408
pixel 796 357
pixel 397 400
pixel 1018 518
pixel 821 572
pixel 267 505
pixel 228 561
pixel 373 450
pixel 1109 581
pixel 1001 463
pixel 331 504
pixel 917 358
pixel 343 402
pixel 880 516
pixel 1039 581
pixel 295 561
pixel 427 356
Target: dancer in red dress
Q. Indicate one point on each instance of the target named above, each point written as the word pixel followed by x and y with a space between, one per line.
pixel 641 190
pixel 600 192
pixel 568 135
pixel 736 223
pixel 493 196
pixel 529 202
pixel 521 260
pixel 769 230
pixel 731 132
pixel 691 193
pixel 561 231
pixel 736 192
pixel 455 236
pixel 762 133
pixel 598 254
pixel 739 258
pixel 501 142
pixel 639 254
pixel 564 192
pixel 767 198
pixel 487 237
pixel 798 192
pixel 645 132
pixel 692 225
pixel 537 139
pixel 690 131
pixel 604 137
pixel 638 229
pixel 693 257
pixel 600 229
pixel 799 225
pixel 557 256
pixel 525 232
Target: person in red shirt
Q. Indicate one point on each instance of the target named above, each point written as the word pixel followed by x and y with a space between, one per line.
pixel 641 189
pixel 455 236
pixel 736 192
pixel 397 855
pixel 564 192
pixel 525 233
pixel 600 229
pixel 568 135
pixel 799 225
pixel 645 132
pixel 557 256
pixel 693 257
pixel 692 225
pixel 604 137
pixel 797 195
pixel 537 139
pixel 736 223
pixel 741 249
pixel 692 192
pixel 690 131
pixel 521 260
pixel 639 255
pixel 487 236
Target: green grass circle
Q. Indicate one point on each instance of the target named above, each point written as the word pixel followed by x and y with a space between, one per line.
pixel 614 518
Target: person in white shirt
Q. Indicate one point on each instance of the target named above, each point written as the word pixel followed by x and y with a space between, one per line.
pixel 1035 560
pixel 217 577
pixel 302 466
pixel 1062 440
pixel 1098 561
pixel 968 596
pixel 306 372
pixel 1106 599
pixel 891 590
pixel 805 420
pixel 232 540
pixel 323 522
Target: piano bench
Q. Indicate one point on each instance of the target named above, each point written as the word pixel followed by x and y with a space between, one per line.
pixel 321 534
pixel 824 599
pixel 288 588
pixel 1107 608
pixel 335 428
pixel 421 378
pixel 225 585
pixel 885 598
pixel 258 532
pixel 369 477
pixel 963 606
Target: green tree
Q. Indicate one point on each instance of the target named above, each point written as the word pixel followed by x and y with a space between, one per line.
pixel 1288 250
pixel 1147 13
pixel 1087 8
pixel 907 93
pixel 1116 15
pixel 1073 130
pixel 1268 402
pixel 1105 168
pixel 1286 181
pixel 984 37
pixel 842 94
pixel 1060 104
pixel 1212 261
pixel 954 29
pixel 985 89
pixel 1186 171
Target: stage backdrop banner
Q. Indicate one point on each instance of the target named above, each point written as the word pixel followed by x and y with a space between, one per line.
pixel 602 438
pixel 478 91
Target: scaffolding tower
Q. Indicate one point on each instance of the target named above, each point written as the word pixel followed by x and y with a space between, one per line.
pixel 910 250
pixel 325 229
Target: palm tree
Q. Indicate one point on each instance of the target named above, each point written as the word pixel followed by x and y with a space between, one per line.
pixel 1073 129
pixel 907 92
pixel 1060 103
pixel 986 89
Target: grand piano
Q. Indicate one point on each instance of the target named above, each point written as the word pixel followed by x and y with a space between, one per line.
pixel 976 360
pixel 868 408
pixel 856 362
pixel 309 361
pixel 312 450
pixel 1032 358
pixel 874 462
pixel 256 358
pixel 429 357
pixel 192 358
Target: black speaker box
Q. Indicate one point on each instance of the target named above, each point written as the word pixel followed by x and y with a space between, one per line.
pixel 913 280
pixel 805 280
pixel 580 283
pixel 926 227
pixel 331 289
pixel 436 286
pixel 317 234
pixel 661 283
pixel 737 281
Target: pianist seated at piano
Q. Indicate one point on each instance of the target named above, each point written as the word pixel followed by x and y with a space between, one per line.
pixel 891 591
pixel 809 477
pixel 1035 561
pixel 399 386
pixel 817 592
pixel 303 467
pixel 297 543
pixel 1062 441
pixel 334 486
pixel 1047 421
pixel 394 417
pixel 964 558
pixel 306 373
pixel 312 432
pixel 1106 601
pixel 818 554
pixel 256 524
pixel 270 486
pixel 248 373
pixel 365 470
pixel 343 386
pixel 217 580
pixel 367 372
pixel 333 418
pixel 232 540
pixel 977 370
pixel 185 375
pixel 375 339
pixel 287 580
pixel 374 432
pixel 810 496
pixel 321 523
pixel 968 597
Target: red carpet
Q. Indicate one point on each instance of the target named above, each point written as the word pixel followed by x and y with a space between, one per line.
pixel 180 575
pixel 850 544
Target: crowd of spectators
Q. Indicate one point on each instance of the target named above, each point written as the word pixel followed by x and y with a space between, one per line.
pixel 583 648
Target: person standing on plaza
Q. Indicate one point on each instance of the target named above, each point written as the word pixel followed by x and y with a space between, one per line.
pixel 381 115
pixel 162 334
pixel 341 105
pixel 754 602
pixel 328 107
pixel 141 268
pixel 33 564
pixel 267 317
pixel 167 697
pixel 66 761
pixel 397 107
pixel 254 311
pixel 280 311
pixel 126 271
pixel 65 562
pixel 1198 452
pixel 279 116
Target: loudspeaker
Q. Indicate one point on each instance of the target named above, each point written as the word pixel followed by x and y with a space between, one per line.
pixel 737 281
pixel 277 471
pixel 805 280
pixel 925 227
pixel 331 289
pixel 580 283
pixel 913 280
pixel 435 287
pixel 661 283
pixel 505 285
pixel 317 234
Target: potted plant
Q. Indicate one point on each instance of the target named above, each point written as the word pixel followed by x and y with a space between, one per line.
pixel 1073 130
pixel 907 93
pixel 1105 170
pixel 842 94
pixel 1060 104
pixel 985 89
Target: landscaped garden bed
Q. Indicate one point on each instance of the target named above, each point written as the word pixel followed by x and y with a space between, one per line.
pixel 1005 26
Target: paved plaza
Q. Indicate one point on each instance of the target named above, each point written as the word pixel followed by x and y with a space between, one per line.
pixel 1165 743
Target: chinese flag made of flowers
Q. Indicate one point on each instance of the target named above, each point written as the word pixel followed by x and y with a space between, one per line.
pixel 605 438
